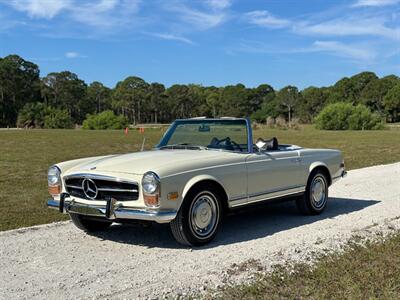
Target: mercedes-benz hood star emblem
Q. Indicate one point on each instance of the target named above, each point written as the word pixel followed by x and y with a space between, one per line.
pixel 89 188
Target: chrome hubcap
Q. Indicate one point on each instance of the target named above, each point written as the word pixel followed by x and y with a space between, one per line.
pixel 318 192
pixel 203 215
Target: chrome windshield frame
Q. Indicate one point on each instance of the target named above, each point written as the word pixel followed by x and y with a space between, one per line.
pixel 167 135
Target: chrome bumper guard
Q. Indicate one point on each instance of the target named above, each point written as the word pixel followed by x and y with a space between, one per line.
pixel 110 211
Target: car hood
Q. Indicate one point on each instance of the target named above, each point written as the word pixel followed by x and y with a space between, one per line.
pixel 159 161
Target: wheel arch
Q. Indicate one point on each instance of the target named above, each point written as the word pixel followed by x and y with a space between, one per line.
pixel 206 180
pixel 321 166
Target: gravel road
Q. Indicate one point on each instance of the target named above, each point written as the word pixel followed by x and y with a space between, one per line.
pixel 59 261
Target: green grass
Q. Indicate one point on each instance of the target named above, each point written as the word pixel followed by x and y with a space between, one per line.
pixel 370 271
pixel 25 156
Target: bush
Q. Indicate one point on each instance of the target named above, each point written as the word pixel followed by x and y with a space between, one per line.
pixel 280 123
pixel 37 115
pixel 105 120
pixel 57 118
pixel 363 119
pixel 344 116
pixel 391 102
pixel 294 124
pixel 32 115
pixel 270 122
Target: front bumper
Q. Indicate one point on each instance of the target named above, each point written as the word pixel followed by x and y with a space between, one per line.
pixel 111 211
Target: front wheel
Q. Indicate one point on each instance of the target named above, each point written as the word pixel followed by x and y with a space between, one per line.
pixel 89 225
pixel 198 219
pixel 314 200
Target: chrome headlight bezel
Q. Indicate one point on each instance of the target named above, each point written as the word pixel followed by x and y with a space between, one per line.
pixel 150 183
pixel 54 176
pixel 54 181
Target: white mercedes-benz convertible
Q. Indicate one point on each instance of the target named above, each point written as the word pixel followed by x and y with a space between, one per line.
pixel 201 169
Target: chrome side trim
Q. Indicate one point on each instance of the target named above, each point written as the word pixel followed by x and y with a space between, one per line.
pixel 271 191
pixel 118 212
pixel 238 197
pixel 267 196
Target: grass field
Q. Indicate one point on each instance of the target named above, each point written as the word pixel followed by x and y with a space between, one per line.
pixel 26 155
pixel 369 271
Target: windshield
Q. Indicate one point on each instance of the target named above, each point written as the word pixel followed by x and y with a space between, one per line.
pixel 230 135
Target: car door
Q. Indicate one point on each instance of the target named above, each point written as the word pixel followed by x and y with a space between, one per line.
pixel 272 174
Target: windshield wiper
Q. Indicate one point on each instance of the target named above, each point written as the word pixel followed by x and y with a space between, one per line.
pixel 185 146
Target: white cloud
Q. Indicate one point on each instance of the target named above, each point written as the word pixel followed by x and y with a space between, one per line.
pixel 199 19
pixel 106 13
pixel 265 19
pixel 361 3
pixel 7 23
pixel 47 9
pixel 96 13
pixel 173 37
pixel 218 4
pixel 73 54
pixel 355 52
pixel 352 26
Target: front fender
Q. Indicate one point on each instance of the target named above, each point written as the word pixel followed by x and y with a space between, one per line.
pixel 197 179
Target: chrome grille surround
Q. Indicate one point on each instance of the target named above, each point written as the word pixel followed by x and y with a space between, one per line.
pixel 107 187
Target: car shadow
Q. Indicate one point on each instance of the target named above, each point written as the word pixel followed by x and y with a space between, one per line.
pixel 247 224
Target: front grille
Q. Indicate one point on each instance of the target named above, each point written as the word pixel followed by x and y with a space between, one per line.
pixel 107 187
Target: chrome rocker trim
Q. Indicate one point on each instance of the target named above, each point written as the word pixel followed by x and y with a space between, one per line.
pixel 111 211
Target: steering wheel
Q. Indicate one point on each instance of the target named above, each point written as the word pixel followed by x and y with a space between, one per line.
pixel 227 143
pixel 237 146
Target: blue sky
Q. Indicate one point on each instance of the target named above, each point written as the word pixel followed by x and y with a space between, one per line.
pixel 209 42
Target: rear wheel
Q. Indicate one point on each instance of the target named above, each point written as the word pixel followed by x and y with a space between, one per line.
pixel 198 219
pixel 314 200
pixel 89 225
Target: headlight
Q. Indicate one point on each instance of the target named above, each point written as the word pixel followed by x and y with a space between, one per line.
pixel 150 183
pixel 53 176
pixel 54 180
pixel 151 189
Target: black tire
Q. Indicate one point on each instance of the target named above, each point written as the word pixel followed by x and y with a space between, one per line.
pixel 89 225
pixel 186 227
pixel 308 204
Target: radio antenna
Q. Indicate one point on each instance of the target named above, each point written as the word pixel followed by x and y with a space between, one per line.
pixel 144 140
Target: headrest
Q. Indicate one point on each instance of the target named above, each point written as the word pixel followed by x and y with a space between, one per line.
pixel 271 144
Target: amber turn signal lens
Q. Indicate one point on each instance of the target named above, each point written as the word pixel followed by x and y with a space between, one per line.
pixel 54 189
pixel 151 200
pixel 173 196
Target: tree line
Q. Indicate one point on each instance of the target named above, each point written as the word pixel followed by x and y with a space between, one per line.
pixel 64 95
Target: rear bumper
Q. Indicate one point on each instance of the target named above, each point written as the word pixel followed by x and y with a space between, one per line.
pixel 342 174
pixel 111 211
